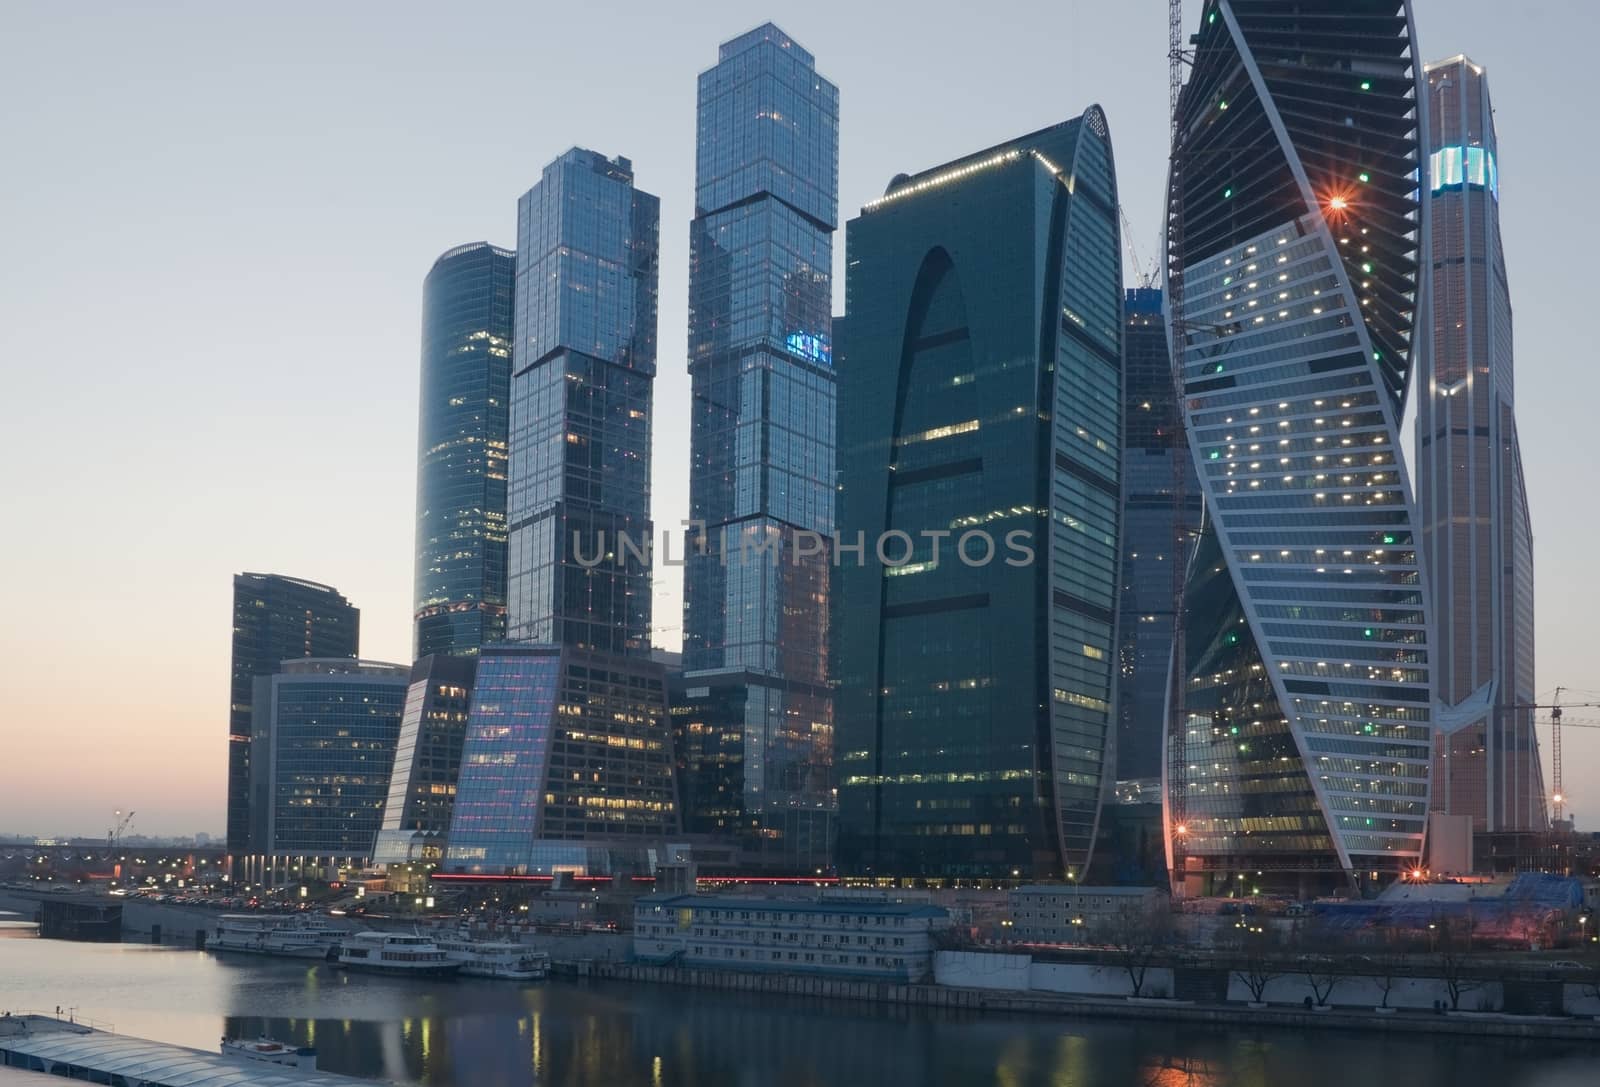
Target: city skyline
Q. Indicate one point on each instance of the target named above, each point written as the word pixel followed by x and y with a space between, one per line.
pixel 342 386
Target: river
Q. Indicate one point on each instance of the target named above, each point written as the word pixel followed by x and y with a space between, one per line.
pixel 574 1034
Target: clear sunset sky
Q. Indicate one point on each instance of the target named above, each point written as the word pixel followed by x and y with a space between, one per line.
pixel 214 225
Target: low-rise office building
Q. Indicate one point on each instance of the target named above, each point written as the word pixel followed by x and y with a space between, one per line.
pixel 323 748
pixel 1068 913
pixel 889 940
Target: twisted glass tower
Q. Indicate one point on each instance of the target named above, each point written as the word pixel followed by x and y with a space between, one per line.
pixel 1476 529
pixel 461 450
pixel 1300 746
pixel 753 717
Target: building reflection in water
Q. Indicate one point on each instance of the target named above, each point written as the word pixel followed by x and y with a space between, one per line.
pixel 561 1034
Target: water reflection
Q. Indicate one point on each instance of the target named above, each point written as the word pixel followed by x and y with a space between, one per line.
pixel 564 1034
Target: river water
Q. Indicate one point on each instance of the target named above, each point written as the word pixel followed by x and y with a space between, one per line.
pixel 571 1034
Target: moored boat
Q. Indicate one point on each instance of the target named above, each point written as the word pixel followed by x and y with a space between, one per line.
pixel 495 958
pixel 269 1051
pixel 395 953
pixel 266 934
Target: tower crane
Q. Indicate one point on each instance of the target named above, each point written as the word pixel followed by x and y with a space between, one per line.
pixel 1558 796
pixel 120 823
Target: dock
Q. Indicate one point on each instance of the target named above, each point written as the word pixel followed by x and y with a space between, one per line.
pixel 56 1047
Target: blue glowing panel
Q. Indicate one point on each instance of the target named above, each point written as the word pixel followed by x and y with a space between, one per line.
pixel 811 347
pixel 1455 167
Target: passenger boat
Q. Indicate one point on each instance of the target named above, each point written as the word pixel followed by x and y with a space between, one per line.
pixel 268 1051
pixel 295 937
pixel 396 953
pixel 495 958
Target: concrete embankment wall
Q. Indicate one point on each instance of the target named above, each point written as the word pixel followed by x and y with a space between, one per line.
pixel 1008 972
pixel 1066 1005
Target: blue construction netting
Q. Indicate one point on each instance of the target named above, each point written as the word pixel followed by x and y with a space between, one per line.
pixel 1529 904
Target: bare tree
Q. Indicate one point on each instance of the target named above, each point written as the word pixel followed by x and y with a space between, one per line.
pixel 1456 958
pixel 1318 947
pixel 1140 939
pixel 1390 966
pixel 1256 964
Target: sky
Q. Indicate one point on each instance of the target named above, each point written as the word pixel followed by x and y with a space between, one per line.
pixel 214 225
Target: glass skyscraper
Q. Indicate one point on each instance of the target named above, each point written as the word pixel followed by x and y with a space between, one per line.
pixel 1476 529
pixel 564 747
pixel 427 761
pixel 1295 231
pixel 275 618
pixel 567 760
pixel 753 714
pixel 980 445
pixel 324 746
pixel 583 361
pixel 1152 452
pixel 461 450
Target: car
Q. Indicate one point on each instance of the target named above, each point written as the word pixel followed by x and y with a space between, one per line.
pixel 1565 964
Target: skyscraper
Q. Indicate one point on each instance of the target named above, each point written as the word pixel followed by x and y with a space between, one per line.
pixel 1152 452
pixel 461 450
pixel 275 618
pixel 1476 529
pixel 567 759
pixel 567 765
pixel 1295 227
pixel 427 761
pixel 583 364
pixel 980 426
pixel 320 761
pixel 753 714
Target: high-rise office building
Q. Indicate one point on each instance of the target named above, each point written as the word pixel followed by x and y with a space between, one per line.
pixel 567 765
pixel 583 362
pixel 980 427
pixel 1153 452
pixel 1295 231
pixel 1476 530
pixel 275 618
pixel 461 450
pixel 567 762
pixel 427 761
pixel 753 715
pixel 321 756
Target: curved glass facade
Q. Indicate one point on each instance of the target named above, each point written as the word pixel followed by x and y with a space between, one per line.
pixel 1307 726
pixel 1476 530
pixel 427 761
pixel 754 718
pixel 461 450
pixel 980 441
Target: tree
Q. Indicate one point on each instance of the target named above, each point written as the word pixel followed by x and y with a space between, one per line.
pixel 1140 937
pixel 1257 966
pixel 1456 958
pixel 1390 966
pixel 1317 946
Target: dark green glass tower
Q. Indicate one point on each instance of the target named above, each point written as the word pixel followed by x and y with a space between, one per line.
pixel 980 369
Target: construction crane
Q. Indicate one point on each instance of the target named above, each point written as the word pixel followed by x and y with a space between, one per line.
pixel 1177 715
pixel 1558 796
pixel 1148 274
pixel 120 823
